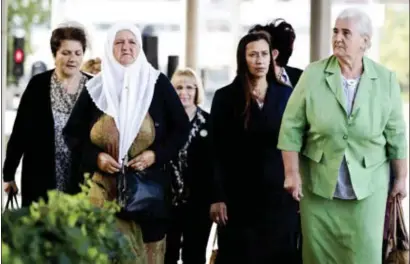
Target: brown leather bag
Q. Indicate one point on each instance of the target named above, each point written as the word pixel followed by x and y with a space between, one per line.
pixel 397 248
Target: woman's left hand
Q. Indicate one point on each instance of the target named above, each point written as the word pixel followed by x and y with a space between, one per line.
pixel 142 161
pixel 399 189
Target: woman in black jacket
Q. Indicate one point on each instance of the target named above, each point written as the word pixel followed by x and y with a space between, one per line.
pixel 44 109
pixel 256 217
pixel 192 173
pixel 282 37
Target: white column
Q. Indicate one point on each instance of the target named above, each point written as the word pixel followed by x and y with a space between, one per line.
pixel 3 80
pixel 191 51
pixel 236 30
pixel 320 29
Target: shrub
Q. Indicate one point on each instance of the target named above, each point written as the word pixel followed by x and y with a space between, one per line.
pixel 66 229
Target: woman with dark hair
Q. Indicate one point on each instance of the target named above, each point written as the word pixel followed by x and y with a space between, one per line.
pixel 282 37
pixel 44 109
pixel 256 217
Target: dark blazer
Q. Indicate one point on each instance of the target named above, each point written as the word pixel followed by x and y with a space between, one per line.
pixel 171 132
pixel 170 120
pixel 248 166
pixel 249 178
pixel 198 174
pixel 294 74
pixel 33 139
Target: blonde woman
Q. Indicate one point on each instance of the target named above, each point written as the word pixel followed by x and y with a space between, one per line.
pixel 191 171
pixel 92 66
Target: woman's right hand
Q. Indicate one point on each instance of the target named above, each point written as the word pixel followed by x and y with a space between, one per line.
pixel 293 185
pixel 11 185
pixel 219 213
pixel 107 163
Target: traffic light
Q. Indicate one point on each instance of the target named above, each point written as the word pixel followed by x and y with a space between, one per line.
pixel 18 57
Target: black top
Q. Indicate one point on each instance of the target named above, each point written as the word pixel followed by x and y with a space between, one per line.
pixel 249 170
pixel 171 131
pixel 32 138
pixel 294 74
pixel 170 121
pixel 194 164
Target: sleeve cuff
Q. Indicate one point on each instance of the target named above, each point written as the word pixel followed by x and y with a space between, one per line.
pixel 289 147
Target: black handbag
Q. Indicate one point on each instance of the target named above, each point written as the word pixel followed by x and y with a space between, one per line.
pixel 140 194
pixel 11 199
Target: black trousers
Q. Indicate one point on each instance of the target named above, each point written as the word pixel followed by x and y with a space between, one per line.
pixel 268 240
pixel 191 223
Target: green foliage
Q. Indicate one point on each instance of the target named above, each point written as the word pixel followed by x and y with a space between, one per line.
pixel 394 43
pixel 67 229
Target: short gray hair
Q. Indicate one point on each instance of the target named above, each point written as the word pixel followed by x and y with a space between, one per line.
pixel 361 20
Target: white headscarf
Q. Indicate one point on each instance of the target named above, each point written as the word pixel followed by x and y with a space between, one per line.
pixel 124 93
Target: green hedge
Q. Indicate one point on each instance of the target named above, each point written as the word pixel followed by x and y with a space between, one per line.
pixel 66 229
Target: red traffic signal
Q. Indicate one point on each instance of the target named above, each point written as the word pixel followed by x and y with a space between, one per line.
pixel 18 56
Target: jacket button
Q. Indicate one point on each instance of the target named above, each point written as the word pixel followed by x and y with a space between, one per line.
pixel 345 137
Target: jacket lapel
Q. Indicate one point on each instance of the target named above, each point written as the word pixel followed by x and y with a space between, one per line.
pixel 365 84
pixel 334 81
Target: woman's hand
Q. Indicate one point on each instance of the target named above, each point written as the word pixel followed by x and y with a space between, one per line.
pixel 293 185
pixel 107 163
pixel 11 186
pixel 219 213
pixel 399 189
pixel 142 161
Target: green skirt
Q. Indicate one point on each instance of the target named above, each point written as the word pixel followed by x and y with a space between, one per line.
pixel 343 231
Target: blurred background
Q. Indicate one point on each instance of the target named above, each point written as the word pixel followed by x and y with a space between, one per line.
pixel 218 26
pixel 202 34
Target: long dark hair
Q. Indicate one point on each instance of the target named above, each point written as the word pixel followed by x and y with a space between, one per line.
pixel 282 37
pixel 244 76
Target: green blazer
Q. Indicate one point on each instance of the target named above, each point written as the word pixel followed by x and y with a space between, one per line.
pixel 316 124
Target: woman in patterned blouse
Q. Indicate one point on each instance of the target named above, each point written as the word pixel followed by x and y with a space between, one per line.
pixel 44 109
pixel 191 171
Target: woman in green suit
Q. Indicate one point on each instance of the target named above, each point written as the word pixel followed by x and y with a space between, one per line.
pixel 345 120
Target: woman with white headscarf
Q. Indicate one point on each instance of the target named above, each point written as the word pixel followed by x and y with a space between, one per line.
pixel 128 111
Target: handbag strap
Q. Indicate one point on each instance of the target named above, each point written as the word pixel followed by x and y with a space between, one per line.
pixel 401 222
pixel 393 223
pixel 215 239
pixel 12 197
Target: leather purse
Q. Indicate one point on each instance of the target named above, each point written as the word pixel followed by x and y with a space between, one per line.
pixel 11 199
pixel 140 194
pixel 397 247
